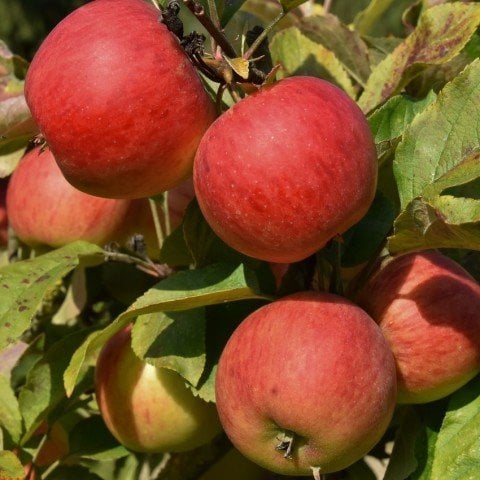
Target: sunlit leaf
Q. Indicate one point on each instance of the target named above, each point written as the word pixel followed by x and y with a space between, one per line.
pixel 24 284
pixel 299 55
pixel 440 35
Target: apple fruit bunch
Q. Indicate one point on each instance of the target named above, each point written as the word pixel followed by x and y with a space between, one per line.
pixel 117 100
pixel 149 409
pixel 306 383
pixel 428 309
pixel 45 210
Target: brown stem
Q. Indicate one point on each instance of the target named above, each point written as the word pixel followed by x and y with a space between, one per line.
pixel 197 9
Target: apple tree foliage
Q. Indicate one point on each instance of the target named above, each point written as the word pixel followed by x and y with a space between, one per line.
pixel 414 69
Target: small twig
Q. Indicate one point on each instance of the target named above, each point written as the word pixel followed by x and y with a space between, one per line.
pixel 327 5
pixel 248 54
pixel 196 8
pixel 156 4
pixel 213 12
pixel 147 266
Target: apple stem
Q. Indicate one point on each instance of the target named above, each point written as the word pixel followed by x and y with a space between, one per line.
pixel 197 9
pixel 327 4
pixel 156 4
pixel 156 222
pixel 251 50
pixel 316 473
pixel 166 214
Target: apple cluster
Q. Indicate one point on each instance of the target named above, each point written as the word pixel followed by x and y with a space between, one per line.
pixel 308 383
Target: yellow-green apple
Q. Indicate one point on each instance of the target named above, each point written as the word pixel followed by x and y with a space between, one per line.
pixel 119 102
pixel 428 309
pixel 149 409
pixel 286 169
pixel 306 383
pixel 44 209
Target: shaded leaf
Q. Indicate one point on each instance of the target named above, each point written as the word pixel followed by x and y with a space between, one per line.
pixel 346 44
pixel 24 284
pixel 10 466
pixel 182 291
pixel 10 418
pixel 367 18
pixel 90 439
pixel 44 388
pixel 440 35
pixel 365 238
pixel 299 55
pixel 174 340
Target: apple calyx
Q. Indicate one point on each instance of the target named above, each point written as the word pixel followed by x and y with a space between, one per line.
pixel 286 444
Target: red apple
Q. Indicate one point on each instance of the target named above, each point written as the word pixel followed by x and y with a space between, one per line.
pixel 149 409
pixel 428 309
pixel 118 101
pixel 286 169
pixel 3 213
pixel 44 209
pixel 306 382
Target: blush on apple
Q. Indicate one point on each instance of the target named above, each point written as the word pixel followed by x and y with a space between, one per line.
pixel 286 169
pixel 118 101
pixel 428 309
pixel 44 209
pixel 149 409
pixel 306 383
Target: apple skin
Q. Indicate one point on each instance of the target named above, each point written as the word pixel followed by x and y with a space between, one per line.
pixel 44 209
pixel 428 309
pixel 3 213
pixel 118 101
pixel 286 169
pixel 312 364
pixel 149 409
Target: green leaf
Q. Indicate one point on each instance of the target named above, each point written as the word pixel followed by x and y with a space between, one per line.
pixel 227 8
pixel 16 124
pixel 457 449
pixel 437 171
pixel 366 19
pixel 184 290
pixel 415 442
pixel 44 388
pixel 365 238
pixel 174 340
pixel 10 418
pixel 440 137
pixel 24 284
pixel 299 55
pixel 423 225
pixel 440 35
pixel 288 5
pixel 174 250
pixel 72 472
pixel 90 439
pixel 390 121
pixel 10 466
pixel 344 43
